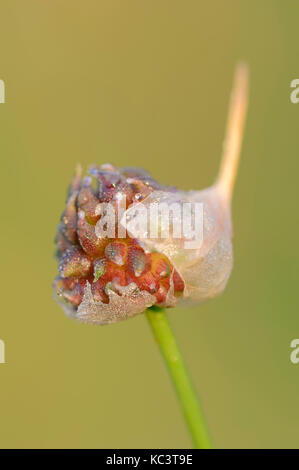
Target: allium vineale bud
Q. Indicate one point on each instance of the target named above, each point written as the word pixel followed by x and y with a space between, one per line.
pixel 103 279
pixel 112 266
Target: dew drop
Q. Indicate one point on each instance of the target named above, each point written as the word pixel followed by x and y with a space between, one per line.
pixel 116 252
pixel 138 261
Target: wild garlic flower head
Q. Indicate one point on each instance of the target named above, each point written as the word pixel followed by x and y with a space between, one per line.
pixel 103 279
pixel 114 263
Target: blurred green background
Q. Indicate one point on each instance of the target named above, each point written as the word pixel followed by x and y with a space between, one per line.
pixel 147 83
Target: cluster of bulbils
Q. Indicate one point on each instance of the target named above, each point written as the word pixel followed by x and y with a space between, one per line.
pixel 103 280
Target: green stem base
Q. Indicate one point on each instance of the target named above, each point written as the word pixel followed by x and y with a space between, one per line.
pixel 178 372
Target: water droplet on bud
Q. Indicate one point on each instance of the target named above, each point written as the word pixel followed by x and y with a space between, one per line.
pixel 138 261
pixel 116 252
pixel 74 263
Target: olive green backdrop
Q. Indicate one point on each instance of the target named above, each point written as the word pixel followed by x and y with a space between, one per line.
pixel 147 83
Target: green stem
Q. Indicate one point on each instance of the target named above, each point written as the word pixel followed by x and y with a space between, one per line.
pixel 180 378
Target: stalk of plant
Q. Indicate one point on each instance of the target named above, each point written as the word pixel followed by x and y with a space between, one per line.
pixel 109 270
pixel 180 378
